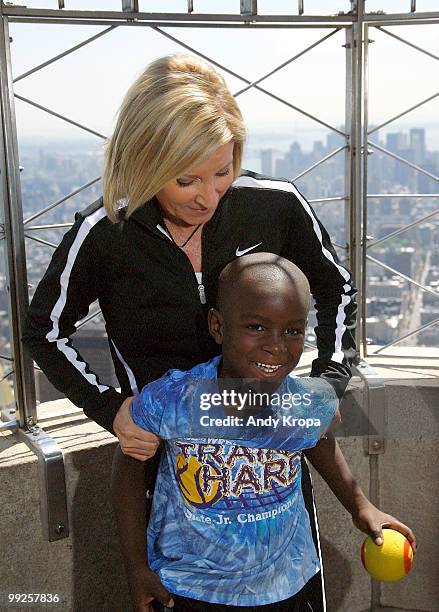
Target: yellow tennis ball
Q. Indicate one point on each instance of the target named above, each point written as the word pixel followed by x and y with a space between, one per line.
pixel 392 560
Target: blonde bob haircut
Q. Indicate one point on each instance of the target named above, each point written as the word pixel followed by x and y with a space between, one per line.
pixel 173 118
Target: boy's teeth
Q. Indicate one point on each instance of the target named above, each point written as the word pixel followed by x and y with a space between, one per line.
pixel 267 368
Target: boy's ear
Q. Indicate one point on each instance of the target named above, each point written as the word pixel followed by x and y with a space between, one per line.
pixel 215 323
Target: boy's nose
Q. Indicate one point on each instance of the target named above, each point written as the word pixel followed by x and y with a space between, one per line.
pixel 275 344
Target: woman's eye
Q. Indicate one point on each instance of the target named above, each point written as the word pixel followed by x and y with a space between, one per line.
pixel 223 172
pixel 184 182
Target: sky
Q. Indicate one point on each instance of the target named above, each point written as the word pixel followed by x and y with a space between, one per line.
pixel 88 86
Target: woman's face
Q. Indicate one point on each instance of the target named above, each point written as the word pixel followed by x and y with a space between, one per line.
pixel 192 199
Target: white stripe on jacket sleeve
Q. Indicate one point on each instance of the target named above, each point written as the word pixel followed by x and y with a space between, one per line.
pixel 340 327
pixel 128 370
pixel 53 334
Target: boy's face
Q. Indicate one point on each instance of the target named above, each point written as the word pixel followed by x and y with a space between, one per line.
pixel 262 333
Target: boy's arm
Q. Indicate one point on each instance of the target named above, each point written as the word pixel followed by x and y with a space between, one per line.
pixel 132 512
pixel 330 463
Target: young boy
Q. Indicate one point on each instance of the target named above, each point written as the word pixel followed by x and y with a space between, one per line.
pixel 228 529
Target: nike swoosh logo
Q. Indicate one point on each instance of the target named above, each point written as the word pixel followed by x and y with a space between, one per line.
pixel 244 251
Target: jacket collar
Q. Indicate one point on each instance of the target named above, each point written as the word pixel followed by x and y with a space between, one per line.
pixel 150 215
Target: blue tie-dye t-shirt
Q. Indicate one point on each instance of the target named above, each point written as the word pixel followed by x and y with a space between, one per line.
pixel 228 523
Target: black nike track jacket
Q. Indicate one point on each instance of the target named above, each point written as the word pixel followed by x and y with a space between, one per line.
pixel 154 309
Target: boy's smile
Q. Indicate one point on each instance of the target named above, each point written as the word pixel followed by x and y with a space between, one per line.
pixel 261 329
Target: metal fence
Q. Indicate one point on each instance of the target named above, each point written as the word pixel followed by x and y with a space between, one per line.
pixel 358 140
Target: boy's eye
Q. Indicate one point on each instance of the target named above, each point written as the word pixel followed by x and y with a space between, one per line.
pixel 255 327
pixel 293 331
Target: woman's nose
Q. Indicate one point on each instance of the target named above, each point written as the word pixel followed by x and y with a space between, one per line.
pixel 208 195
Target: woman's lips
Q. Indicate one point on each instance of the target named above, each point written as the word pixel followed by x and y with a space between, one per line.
pixel 199 210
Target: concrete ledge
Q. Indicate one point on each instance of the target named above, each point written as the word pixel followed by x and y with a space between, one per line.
pixel 86 569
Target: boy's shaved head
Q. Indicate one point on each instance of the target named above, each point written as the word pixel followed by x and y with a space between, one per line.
pixel 263 273
pixel 261 317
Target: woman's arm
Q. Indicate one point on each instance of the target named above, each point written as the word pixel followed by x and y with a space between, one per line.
pixel 328 460
pixel 132 511
pixel 310 247
pixel 62 298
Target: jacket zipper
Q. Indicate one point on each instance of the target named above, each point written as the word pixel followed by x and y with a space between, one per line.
pixel 202 294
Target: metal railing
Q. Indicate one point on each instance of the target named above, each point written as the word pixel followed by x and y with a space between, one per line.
pixel 357 133
pixel 355 25
pixel 369 244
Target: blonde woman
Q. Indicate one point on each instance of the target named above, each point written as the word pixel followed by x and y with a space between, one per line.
pixel 175 210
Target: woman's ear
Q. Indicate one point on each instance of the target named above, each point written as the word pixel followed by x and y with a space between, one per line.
pixel 215 323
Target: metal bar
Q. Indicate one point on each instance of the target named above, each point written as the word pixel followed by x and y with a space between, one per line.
pixel 46 227
pixel 289 61
pixel 400 274
pixel 78 15
pixel 364 202
pixel 51 478
pixel 63 199
pixel 185 24
pixel 238 76
pixel 63 54
pixel 412 333
pixel 300 7
pixel 248 8
pixel 401 230
pixel 394 18
pixel 6 358
pixel 378 127
pixel 6 375
pixel 333 199
pixel 88 318
pixel 402 195
pixel 41 241
pixel 17 296
pixel 356 143
pixel 55 114
pixel 413 6
pixel 190 6
pixel 132 6
pixel 402 160
pixel 321 161
pixel 406 22
pixel 406 42
pixel 348 163
pixel 376 408
pixel 374 443
pixel 300 110
pixel 182 24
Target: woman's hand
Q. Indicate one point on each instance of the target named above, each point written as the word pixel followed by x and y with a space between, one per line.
pixel 134 441
pixel 145 586
pixel 371 520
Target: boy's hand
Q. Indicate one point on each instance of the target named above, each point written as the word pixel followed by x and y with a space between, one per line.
pixel 371 520
pixel 134 441
pixel 145 586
